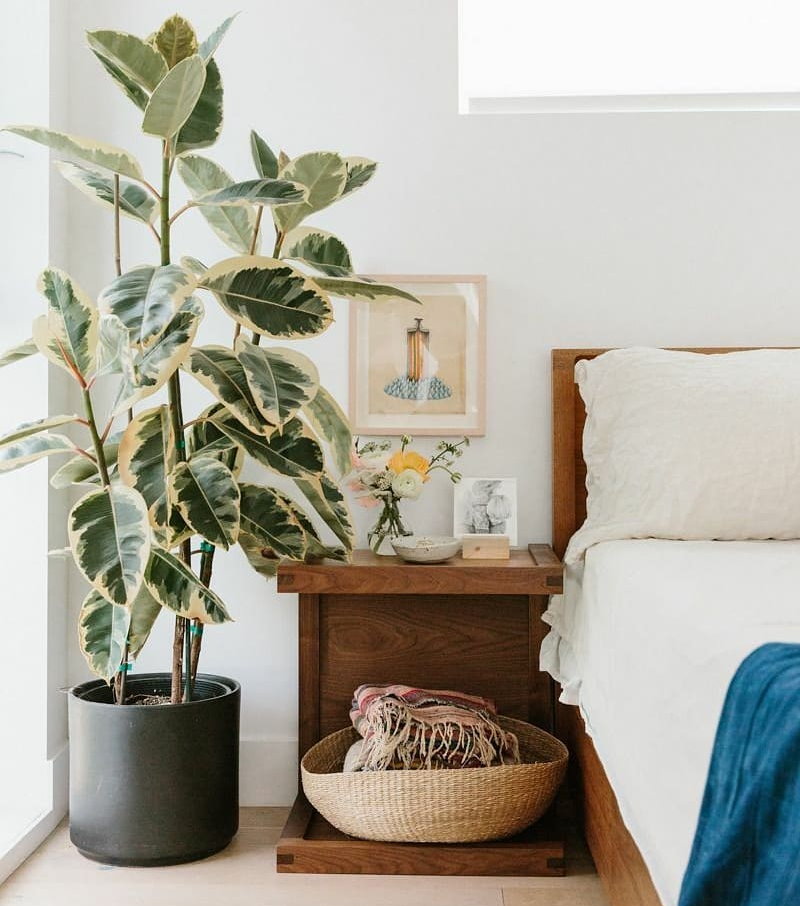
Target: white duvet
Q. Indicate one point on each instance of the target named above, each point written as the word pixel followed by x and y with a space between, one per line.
pixel 645 639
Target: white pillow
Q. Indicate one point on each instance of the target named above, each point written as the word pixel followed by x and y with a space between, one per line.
pixel 690 446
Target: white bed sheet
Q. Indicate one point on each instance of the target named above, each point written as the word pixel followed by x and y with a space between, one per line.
pixel 646 639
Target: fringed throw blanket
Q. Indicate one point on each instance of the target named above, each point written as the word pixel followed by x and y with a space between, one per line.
pixel 746 849
pixel 406 728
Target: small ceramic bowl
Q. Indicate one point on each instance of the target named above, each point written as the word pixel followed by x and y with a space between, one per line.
pixel 426 548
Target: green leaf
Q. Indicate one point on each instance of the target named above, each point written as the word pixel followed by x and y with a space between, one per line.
pixel 293 452
pixel 328 420
pixel 20 351
pixel 67 335
pixel 328 501
pixel 263 157
pixel 206 439
pixel 134 200
pixel 219 371
pixel 360 171
pixel 177 588
pixel 80 470
pixel 269 297
pixel 106 156
pixel 176 40
pixel 193 265
pixel 315 548
pixel 255 191
pixel 363 290
pixel 145 460
pixel 29 449
pixel 26 429
pixel 114 354
pixel 209 47
pixel 137 60
pixel 144 611
pixel 234 226
pixel 174 98
pixel 266 518
pixel 319 249
pixel 153 367
pixel 324 174
pixel 110 540
pixel 281 381
pixel 205 121
pixel 261 557
pixel 103 632
pixel 134 91
pixel 207 496
pixel 146 298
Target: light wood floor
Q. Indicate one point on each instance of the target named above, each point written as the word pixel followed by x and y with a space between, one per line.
pixel 244 875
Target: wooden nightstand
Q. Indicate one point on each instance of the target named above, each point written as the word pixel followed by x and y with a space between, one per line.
pixel 471 625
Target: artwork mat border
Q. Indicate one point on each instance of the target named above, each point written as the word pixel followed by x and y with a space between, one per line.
pixel 458 491
pixel 478 428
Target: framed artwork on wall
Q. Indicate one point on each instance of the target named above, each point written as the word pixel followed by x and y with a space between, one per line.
pixel 486 506
pixel 420 369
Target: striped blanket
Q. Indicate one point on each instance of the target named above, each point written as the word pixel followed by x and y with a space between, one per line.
pixel 406 728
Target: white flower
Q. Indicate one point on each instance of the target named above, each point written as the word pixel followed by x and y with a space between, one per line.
pixel 408 484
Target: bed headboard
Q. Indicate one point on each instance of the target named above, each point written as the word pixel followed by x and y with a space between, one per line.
pixel 569 469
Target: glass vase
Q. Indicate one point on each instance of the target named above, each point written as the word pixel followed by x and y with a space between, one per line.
pixel 389 525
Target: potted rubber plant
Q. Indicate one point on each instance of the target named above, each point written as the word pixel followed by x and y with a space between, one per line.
pixel 154 758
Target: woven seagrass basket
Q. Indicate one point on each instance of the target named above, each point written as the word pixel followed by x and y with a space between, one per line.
pixel 444 806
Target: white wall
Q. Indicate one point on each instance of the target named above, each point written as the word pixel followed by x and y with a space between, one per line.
pixel 598 229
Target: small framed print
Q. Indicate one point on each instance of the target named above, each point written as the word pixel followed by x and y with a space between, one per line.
pixel 486 506
pixel 420 369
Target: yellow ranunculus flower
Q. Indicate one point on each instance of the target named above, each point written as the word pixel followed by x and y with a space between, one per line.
pixel 408 459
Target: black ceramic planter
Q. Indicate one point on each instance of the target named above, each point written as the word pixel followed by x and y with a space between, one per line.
pixel 154 784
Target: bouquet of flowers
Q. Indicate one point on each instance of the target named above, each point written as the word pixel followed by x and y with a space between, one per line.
pixel 382 478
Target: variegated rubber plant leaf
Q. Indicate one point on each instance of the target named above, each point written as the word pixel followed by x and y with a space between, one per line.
pixel 108 157
pixel 269 297
pixel 255 191
pixel 209 47
pixel 263 157
pixel 134 200
pixel 360 171
pixel 176 40
pixel 331 424
pixel 363 290
pixel 110 539
pixel 139 61
pixel 103 631
pixel 293 452
pixel 221 372
pixel 235 226
pixel 153 367
pixel 144 612
pixel 281 381
pixel 145 460
pixel 32 440
pixel 266 517
pixel 114 353
pixel 80 470
pixel 203 126
pixel 320 250
pixel 18 352
pixel 329 503
pixel 324 174
pixel 177 588
pixel 206 439
pixel 146 298
pixel 174 98
pixel 67 334
pixel 205 493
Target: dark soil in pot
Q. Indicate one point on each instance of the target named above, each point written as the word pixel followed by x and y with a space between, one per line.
pixel 154 784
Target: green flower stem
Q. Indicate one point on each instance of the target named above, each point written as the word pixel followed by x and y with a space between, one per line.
pixel 389 524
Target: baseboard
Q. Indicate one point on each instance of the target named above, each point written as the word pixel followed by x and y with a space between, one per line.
pixel 43 824
pixel 267 771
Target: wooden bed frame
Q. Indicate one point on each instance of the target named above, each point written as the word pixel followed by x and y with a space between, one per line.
pixel 617 858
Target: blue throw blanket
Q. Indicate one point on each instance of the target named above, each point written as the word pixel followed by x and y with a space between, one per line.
pixel 746 849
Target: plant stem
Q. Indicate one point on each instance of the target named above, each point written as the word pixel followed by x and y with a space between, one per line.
pixel 176 416
pixel 257 227
pixel 117 254
pixel 98 444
